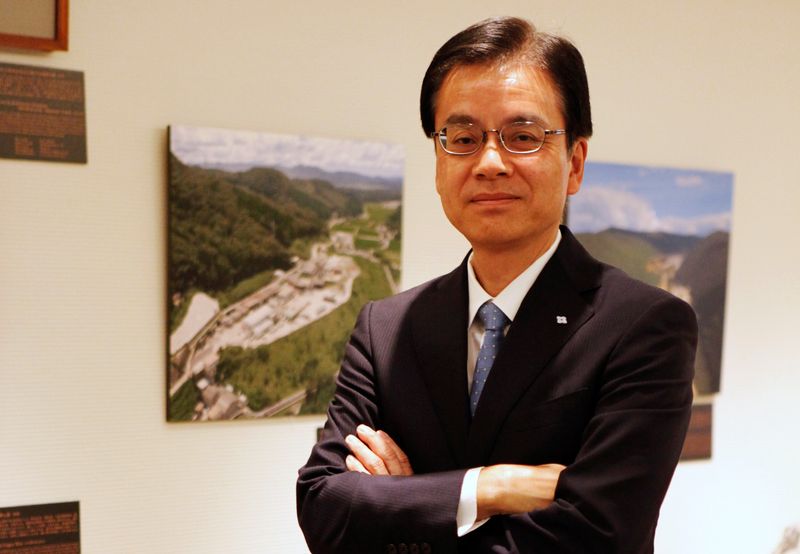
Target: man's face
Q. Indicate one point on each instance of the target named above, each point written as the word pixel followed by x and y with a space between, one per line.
pixel 496 199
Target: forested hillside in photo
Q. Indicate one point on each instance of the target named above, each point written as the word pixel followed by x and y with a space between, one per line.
pixel 699 264
pixel 228 226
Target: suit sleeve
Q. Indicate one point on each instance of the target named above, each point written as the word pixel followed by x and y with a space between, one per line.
pixel 608 500
pixel 343 511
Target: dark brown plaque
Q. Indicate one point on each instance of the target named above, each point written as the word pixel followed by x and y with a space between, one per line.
pixel 698 440
pixel 42 114
pixel 40 529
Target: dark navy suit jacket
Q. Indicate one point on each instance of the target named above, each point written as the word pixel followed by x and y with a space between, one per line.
pixel 608 394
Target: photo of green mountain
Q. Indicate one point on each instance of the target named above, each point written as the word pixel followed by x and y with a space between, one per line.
pixel 274 244
pixel 670 228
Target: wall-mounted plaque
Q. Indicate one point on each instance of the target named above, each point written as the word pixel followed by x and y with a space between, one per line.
pixel 42 114
pixel 51 528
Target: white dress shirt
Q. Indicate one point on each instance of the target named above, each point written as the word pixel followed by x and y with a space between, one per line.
pixel 508 300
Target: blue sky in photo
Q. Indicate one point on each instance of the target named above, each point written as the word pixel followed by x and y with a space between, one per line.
pixel 651 199
pixel 212 147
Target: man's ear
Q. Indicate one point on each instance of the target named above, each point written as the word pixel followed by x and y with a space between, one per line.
pixel 577 159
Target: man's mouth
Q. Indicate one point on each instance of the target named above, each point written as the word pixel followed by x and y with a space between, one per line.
pixel 491 198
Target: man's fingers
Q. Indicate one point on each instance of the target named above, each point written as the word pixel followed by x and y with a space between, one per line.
pixel 382 445
pixel 402 460
pixel 354 465
pixel 375 452
pixel 369 460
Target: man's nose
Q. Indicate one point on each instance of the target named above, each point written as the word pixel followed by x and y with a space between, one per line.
pixel 492 161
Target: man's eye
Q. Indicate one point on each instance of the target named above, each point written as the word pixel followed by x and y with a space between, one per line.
pixel 465 140
pixel 523 137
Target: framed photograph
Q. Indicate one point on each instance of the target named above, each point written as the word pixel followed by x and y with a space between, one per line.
pixel 34 24
pixel 668 227
pixel 275 244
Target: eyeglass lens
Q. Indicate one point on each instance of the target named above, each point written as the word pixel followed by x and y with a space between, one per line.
pixel 519 138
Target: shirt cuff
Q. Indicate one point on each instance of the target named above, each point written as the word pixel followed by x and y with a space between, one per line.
pixel 468 503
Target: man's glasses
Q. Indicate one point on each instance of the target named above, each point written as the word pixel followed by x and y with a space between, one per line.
pixel 522 137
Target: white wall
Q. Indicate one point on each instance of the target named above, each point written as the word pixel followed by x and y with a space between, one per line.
pixel 708 84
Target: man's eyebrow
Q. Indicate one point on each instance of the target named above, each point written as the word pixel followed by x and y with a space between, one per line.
pixel 459 118
pixel 533 118
pixel 463 118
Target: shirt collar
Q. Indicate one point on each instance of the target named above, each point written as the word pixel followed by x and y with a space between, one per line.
pixel 511 297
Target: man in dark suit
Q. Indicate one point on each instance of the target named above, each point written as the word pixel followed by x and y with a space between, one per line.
pixel 533 400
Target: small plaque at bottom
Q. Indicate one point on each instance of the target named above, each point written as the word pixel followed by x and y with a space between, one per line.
pixel 40 529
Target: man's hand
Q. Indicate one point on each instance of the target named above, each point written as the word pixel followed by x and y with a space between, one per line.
pixel 512 489
pixel 375 453
pixel 502 489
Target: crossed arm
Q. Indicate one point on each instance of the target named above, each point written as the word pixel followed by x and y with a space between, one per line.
pixel 502 488
pixel 344 509
pixel 359 494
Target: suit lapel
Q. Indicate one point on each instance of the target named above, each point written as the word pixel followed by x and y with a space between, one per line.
pixel 552 311
pixel 439 330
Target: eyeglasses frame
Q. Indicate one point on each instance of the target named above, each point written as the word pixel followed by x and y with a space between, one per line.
pixel 441 135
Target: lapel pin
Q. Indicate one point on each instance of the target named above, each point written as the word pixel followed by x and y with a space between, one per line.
pixel 561 319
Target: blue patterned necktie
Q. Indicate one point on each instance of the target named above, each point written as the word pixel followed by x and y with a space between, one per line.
pixel 494 321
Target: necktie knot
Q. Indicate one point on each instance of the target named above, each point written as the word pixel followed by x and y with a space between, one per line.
pixel 492 317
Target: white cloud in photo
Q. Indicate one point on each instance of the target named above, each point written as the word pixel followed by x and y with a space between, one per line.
pixel 209 147
pixel 689 181
pixel 701 225
pixel 597 208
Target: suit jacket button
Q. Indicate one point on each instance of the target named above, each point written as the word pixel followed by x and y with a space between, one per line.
pixel 426 548
pixel 391 549
pixel 414 548
pixel 402 548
